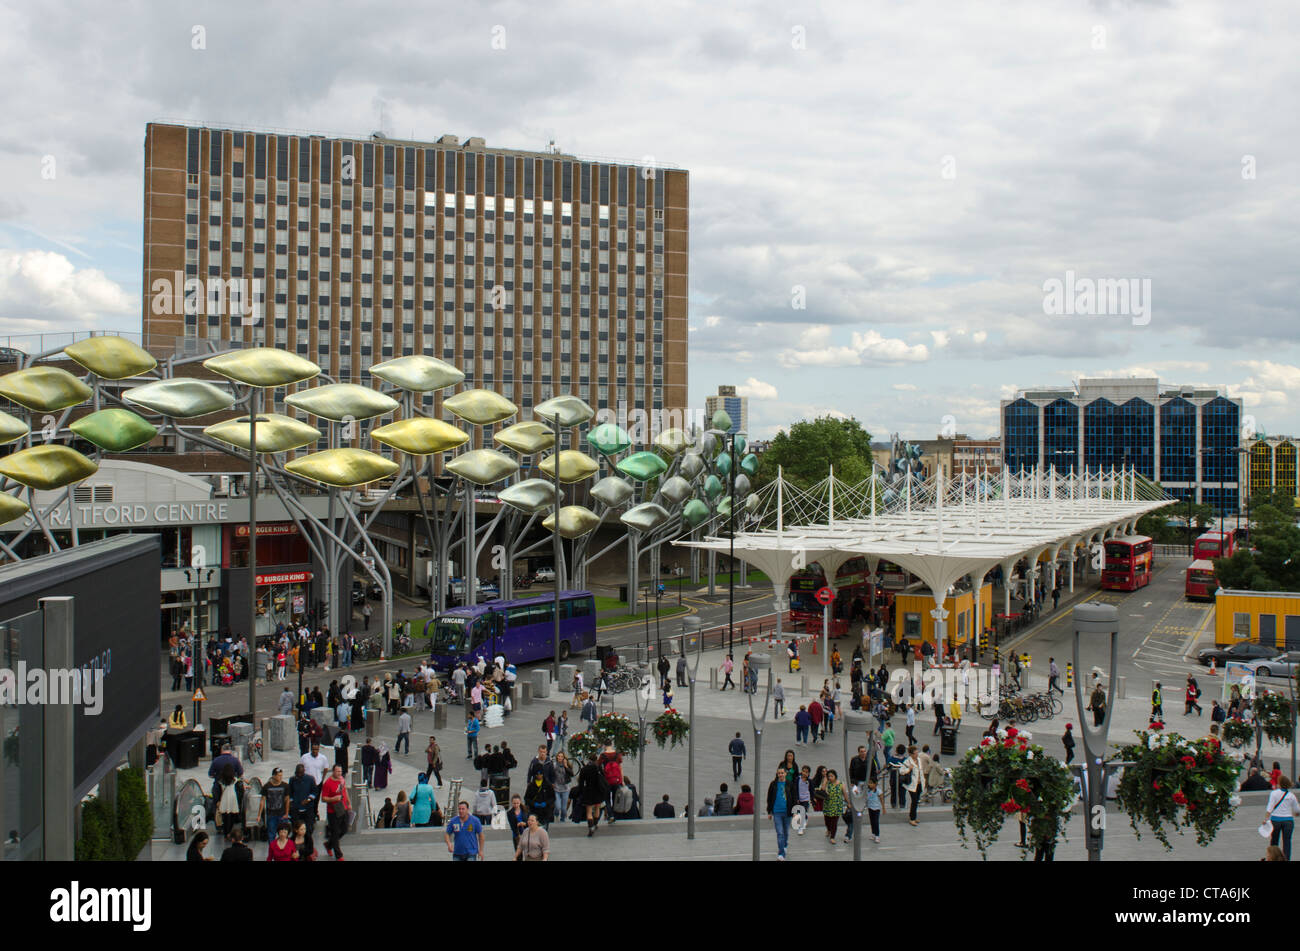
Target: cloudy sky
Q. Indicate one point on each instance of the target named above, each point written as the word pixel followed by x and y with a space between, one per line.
pixel 880 191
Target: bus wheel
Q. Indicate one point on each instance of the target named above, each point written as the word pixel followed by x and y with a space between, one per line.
pixel 564 650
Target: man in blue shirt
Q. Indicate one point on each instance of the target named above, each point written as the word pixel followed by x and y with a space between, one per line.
pixel 464 836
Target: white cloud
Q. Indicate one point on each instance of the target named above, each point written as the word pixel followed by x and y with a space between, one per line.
pixel 904 387
pixel 756 390
pixel 867 348
pixel 41 291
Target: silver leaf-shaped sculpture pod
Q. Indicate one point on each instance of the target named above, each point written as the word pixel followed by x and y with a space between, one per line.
pixel 692 465
pixel 645 517
pixel 742 485
pixel 532 496
pixel 676 490
pixel 709 445
pixel 612 491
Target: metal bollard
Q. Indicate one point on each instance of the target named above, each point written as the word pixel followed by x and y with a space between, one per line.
pixel 803 685
pixel 1069 675
pixel 1121 688
pixel 713 678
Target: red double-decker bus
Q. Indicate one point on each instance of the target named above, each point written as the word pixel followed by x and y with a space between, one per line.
pixel 1200 584
pixel 1214 545
pixel 850 583
pixel 1128 563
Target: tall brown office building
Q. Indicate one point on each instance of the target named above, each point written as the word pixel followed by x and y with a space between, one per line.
pixel 536 273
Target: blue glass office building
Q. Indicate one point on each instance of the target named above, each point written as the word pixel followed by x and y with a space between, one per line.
pixel 1185 438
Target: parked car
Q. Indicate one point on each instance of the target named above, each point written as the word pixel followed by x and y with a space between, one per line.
pixel 544 574
pixel 1283 665
pixel 358 592
pixel 1241 653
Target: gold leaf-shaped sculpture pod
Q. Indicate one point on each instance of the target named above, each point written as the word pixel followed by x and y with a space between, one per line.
pixel 263 367
pixel 480 407
pixel 417 372
pixel 564 411
pixel 342 401
pixel 645 517
pixel 532 496
pixel 275 433
pixel 420 436
pixel 46 467
pixel 111 358
pixel 721 420
pixel 344 468
pixel 43 389
pixel 11 428
pixel 675 490
pixel 642 466
pixel 575 521
pixel 180 399
pixel 114 430
pixel 694 512
pixel 692 465
pixel 608 439
pixel 749 465
pixel 612 490
pixel 574 466
pixel 11 508
pixel 483 466
pixel 525 438
pixel 672 441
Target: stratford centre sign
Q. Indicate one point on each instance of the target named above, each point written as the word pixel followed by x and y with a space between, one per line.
pixel 140 514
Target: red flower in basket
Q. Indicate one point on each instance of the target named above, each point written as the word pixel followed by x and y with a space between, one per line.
pixel 1157 725
pixel 1012 731
pixel 1191 807
pixel 1189 760
pixel 1010 806
pixel 1023 784
pixel 1155 786
pixel 1180 798
pixel 1008 742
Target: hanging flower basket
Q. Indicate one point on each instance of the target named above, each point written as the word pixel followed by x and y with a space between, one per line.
pixel 1006 777
pixel 1236 732
pixel 670 727
pixel 619 730
pixel 1273 713
pixel 1176 782
pixel 581 746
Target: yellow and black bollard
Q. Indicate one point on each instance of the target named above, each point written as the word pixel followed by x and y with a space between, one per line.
pixel 1069 675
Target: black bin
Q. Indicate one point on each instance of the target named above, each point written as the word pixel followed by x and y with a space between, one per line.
pixel 186 749
pixel 602 652
pixel 948 741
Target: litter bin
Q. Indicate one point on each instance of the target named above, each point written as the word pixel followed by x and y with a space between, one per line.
pixel 948 741
pixel 186 749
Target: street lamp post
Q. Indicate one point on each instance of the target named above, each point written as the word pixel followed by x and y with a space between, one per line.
pixel 857 720
pixel 1094 620
pixel 692 668
pixel 198 569
pixel 731 588
pixel 643 695
pixel 759 663
pixel 252 552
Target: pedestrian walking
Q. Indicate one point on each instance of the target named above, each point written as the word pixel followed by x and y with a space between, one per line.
pixel 403 732
pixel 727 666
pixel 1067 740
pixel 875 809
pixel 471 737
pixel 365 615
pixel 815 716
pixel 802 724
pixel 778 698
pixel 1053 677
pixel 737 750
pixel 464 836
pixel 334 793
pixel 1157 703
pixel 1282 810
pixel 1190 698
pixel 780 806
pixel 433 760
pixel 548 730
pixel 681 671
pixel 833 804
pixel 911 722
pixel 803 793
pixel 1097 704
pixel 912 779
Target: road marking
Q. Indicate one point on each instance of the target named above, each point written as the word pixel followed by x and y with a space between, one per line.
pixel 1146 604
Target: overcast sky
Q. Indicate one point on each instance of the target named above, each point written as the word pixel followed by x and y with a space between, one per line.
pixel 879 191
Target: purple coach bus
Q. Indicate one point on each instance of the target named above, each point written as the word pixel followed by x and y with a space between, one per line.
pixel 523 630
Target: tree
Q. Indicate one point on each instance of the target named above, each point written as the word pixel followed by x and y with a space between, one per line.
pixel 1273 561
pixel 811 447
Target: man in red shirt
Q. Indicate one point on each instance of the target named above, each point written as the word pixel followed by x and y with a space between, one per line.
pixel 334 793
pixel 816 714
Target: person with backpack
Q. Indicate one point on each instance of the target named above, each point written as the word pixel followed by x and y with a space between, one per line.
pixel 611 765
pixel 589 713
pixel 334 793
pixel 1193 694
pixel 548 730
pixel 1067 740
pixel 737 750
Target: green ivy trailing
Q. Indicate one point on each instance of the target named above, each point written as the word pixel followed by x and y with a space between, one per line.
pixel 1273 712
pixel 1003 778
pixel 115 837
pixel 1177 782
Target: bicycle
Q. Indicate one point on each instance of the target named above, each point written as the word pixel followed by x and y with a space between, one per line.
pixel 944 791
pixel 254 751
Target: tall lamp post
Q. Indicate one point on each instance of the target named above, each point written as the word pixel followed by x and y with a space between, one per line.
pixel 253 420
pixel 759 663
pixel 692 667
pixel 731 531
pixel 1094 620
pixel 857 720
pixel 643 694
pixel 201 574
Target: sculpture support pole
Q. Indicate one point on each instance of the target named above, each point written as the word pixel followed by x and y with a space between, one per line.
pixel 252 555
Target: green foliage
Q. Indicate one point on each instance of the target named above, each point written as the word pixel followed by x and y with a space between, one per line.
pixel 1236 732
pixel 810 448
pixel 100 840
pixel 1273 713
pixel 1274 565
pixel 1003 778
pixel 1176 782
pixel 609 728
pixel 134 815
pixel 670 727
pixel 1168 526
